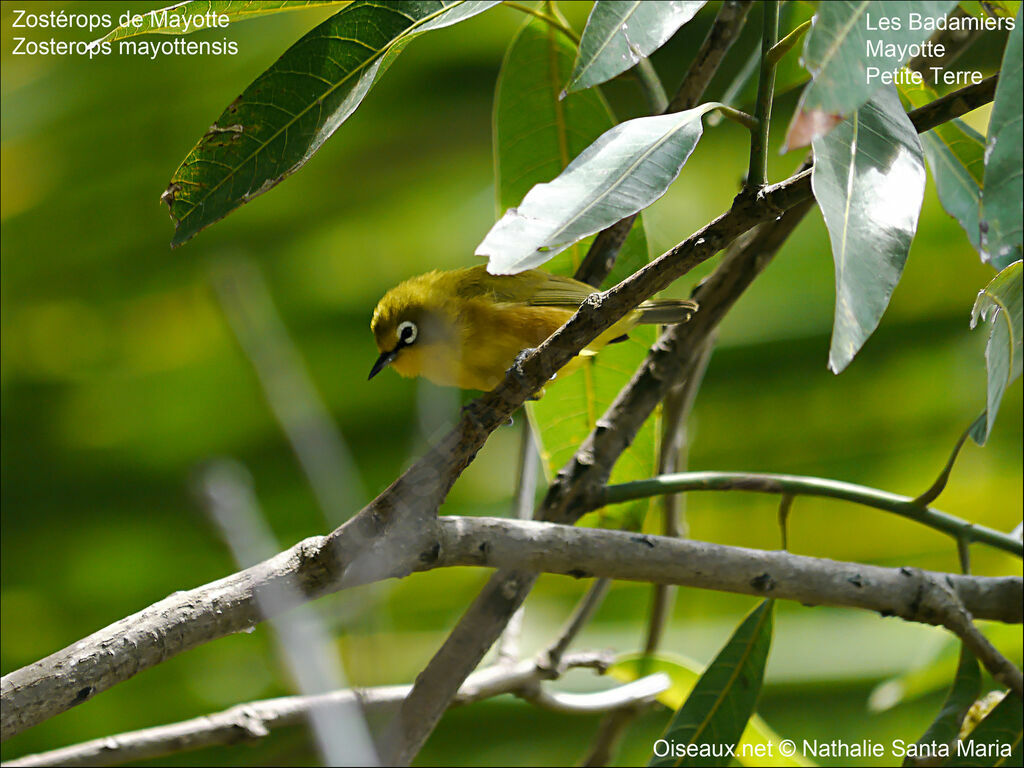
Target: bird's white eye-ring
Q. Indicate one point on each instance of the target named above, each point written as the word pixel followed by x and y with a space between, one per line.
pixel 407 332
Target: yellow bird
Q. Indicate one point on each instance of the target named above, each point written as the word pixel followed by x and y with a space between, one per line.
pixel 465 327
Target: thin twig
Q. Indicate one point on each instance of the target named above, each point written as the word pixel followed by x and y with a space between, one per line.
pixel 723 33
pixel 551 20
pixel 757 173
pixel 797 485
pixel 551 658
pixel 654 91
pixel 255 720
pixel 609 735
pixel 522 508
pixel 674 458
pixel 939 485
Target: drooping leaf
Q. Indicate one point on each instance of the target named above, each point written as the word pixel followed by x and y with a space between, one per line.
pixel 956 156
pixel 966 688
pixel 1000 303
pixel 683 674
pixel 996 740
pixel 536 134
pixel 621 32
pixel 1002 198
pixel 192 15
pixel 289 111
pixel 869 180
pixel 846 52
pixel 624 171
pixel 723 700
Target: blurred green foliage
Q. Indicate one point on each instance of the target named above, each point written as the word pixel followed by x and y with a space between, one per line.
pixel 119 375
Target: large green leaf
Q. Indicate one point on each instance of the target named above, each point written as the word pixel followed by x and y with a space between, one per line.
pixel 192 15
pixel 945 729
pixel 619 33
pixel 723 700
pixel 869 180
pixel 846 52
pixel 683 674
pixel 536 134
pixel 1002 200
pixel 1000 303
pixel 624 171
pixel 996 740
pixel 289 111
pixel 956 156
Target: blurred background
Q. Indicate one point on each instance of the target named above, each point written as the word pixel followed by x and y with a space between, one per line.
pixel 121 375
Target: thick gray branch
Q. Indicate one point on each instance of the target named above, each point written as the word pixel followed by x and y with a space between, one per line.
pixel 591 552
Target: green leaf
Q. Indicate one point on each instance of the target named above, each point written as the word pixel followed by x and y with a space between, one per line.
pixel 183 18
pixel 846 53
pixel 683 674
pixel 996 740
pixel 716 712
pixel 1002 199
pixel 1000 303
pixel 945 729
pixel 1007 9
pixel 868 178
pixel 618 34
pixel 624 171
pixel 956 156
pixel 289 111
pixel 536 135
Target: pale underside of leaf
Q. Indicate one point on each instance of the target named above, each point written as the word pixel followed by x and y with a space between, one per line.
pixel 619 34
pixel 868 179
pixel 625 170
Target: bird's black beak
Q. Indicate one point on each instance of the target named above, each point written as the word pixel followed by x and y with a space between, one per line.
pixel 382 362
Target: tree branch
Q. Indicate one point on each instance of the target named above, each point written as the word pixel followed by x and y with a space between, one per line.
pixel 255 719
pixel 668 361
pixel 386 537
pixel 598 552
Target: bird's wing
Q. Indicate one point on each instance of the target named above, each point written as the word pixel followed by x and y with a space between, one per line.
pixel 534 287
pixel 558 291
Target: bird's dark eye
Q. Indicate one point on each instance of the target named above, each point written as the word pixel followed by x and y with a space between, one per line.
pixel 407 332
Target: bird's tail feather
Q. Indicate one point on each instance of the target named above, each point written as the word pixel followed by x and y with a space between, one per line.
pixel 667 311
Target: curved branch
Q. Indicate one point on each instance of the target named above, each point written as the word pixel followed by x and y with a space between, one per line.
pixel 797 485
pixel 256 719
